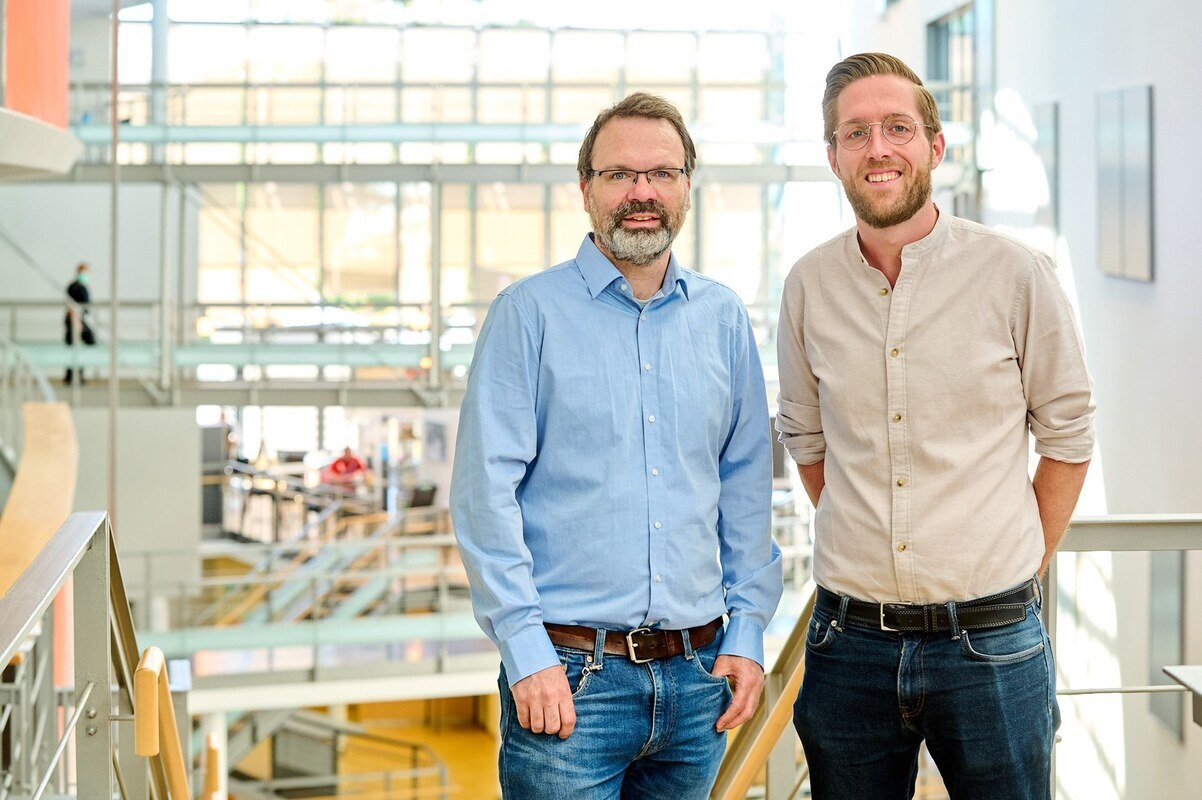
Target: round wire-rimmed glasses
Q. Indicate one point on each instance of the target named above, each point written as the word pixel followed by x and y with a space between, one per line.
pixel 896 128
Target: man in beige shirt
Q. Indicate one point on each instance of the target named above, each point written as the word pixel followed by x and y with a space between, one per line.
pixel 918 354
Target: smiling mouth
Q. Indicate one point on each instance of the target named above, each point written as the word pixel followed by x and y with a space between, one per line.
pixel 883 177
pixel 641 218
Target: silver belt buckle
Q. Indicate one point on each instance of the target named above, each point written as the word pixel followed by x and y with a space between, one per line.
pixel 885 627
pixel 630 646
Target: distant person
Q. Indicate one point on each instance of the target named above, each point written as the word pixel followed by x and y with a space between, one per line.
pixel 77 290
pixel 345 470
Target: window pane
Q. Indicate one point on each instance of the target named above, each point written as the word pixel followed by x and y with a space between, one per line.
pixel 512 105
pixel 358 153
pixel 456 244
pixel 362 55
pixel 510 235
pixel 133 54
pixel 732 58
pixel 199 106
pixel 569 222
pixel 280 106
pixel 218 271
pixel 661 57
pixel 360 241
pixel 436 105
pixel 206 54
pixel 285 54
pixel 434 55
pixel 281 252
pixel 580 106
pixel 733 236
pixel 415 243
pixel 363 106
pixel 587 57
pixel 514 56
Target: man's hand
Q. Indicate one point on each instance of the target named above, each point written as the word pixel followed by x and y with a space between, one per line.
pixel 544 702
pixel 747 681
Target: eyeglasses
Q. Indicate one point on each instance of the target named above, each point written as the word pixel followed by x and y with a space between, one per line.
pixel 896 128
pixel 660 176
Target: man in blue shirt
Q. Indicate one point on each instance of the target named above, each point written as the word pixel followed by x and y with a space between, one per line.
pixel 611 492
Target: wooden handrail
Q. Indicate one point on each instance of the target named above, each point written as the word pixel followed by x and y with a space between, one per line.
pixel 213 768
pixel 747 753
pixel 43 489
pixel 155 731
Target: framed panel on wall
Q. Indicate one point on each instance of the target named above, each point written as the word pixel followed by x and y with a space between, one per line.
pixel 1125 211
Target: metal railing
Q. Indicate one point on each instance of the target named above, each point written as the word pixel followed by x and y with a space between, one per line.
pixel 82 550
pixel 20 382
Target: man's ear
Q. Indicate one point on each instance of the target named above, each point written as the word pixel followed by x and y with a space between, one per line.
pixel 832 160
pixel 584 194
pixel 938 148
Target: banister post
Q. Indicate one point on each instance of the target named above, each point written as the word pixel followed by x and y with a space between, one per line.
pixel 93 737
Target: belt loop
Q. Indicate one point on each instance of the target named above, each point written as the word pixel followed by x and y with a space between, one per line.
pixel 841 617
pixel 688 645
pixel 598 656
pixel 953 623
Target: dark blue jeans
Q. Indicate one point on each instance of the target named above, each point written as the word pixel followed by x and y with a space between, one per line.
pixel 985 703
pixel 642 731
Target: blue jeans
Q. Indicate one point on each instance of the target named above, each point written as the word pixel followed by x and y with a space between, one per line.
pixel 642 731
pixel 985 703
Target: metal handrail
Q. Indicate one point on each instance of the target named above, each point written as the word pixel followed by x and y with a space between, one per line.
pixel 32 593
pixel 20 382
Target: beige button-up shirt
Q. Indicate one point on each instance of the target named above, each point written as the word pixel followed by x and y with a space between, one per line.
pixel 921 399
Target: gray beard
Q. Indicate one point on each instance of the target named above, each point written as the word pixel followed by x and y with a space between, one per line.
pixel 639 247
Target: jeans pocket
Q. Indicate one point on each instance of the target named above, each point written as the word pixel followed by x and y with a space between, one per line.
pixel 820 634
pixel 576 664
pixel 704 661
pixel 1006 645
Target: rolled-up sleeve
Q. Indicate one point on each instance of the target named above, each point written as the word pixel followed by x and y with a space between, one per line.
pixel 497 440
pixel 1057 386
pixel 798 417
pixel 751 559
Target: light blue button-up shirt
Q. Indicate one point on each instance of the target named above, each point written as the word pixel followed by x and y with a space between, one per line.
pixel 613 464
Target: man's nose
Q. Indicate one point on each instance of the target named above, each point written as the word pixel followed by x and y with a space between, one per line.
pixel 878 145
pixel 641 189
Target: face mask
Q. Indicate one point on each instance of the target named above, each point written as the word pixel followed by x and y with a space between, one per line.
pixel 82 277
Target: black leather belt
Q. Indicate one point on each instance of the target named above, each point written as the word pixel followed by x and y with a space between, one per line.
pixel 994 611
pixel 640 645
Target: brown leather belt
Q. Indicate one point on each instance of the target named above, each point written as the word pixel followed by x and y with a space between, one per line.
pixel 640 645
pixel 994 611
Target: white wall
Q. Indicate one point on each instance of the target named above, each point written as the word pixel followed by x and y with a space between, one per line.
pixel 158 484
pixel 1141 339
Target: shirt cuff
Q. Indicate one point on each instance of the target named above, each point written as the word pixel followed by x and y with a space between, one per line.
pixel 527 652
pixel 744 637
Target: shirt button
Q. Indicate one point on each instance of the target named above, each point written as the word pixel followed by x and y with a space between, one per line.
pixel 654 471
pixel 901 481
pixel 625 287
pixel 642 316
pixel 897 417
pixel 659 578
pixel 901 548
pixel 884 291
pixel 647 365
pixel 659 525
pixel 895 352
pixel 651 418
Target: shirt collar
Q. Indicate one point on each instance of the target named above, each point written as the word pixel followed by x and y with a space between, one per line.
pixel 932 239
pixel 599 272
